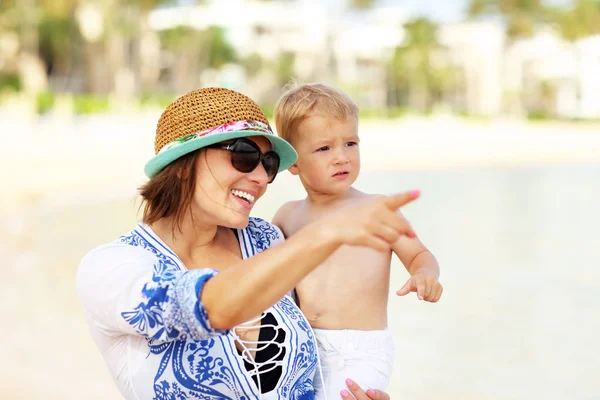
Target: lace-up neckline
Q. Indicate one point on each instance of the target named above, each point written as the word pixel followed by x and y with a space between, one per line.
pixel 266 366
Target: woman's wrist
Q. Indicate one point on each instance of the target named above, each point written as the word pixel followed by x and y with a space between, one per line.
pixel 327 233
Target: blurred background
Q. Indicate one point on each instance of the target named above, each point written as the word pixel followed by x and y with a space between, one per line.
pixel 490 107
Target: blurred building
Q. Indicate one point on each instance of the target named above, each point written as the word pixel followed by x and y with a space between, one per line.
pixel 557 75
pixel 331 44
pixel 477 51
pixel 588 57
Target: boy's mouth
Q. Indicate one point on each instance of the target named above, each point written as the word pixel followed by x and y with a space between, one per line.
pixel 341 175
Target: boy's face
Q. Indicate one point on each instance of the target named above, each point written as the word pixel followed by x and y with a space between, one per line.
pixel 328 155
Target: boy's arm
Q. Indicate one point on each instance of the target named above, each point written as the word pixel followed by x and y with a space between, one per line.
pixel 422 267
pixel 281 217
pixel 417 259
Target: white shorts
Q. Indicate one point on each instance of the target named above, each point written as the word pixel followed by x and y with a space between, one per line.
pixel 366 357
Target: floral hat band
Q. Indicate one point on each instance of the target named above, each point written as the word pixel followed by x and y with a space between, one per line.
pixel 237 126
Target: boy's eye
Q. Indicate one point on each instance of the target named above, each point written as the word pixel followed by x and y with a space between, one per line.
pixel 324 148
pixel 350 144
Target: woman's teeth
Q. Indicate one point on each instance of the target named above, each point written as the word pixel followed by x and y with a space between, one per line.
pixel 243 195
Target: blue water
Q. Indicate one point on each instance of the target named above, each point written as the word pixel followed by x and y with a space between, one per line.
pixel 519 251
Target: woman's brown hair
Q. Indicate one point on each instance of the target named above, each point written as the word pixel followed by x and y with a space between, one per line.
pixel 169 194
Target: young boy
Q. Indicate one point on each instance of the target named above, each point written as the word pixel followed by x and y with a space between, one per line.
pixel 345 298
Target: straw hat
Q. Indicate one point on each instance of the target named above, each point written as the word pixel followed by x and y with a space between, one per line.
pixel 206 116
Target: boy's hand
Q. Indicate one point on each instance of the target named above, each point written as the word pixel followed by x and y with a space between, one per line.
pixel 427 287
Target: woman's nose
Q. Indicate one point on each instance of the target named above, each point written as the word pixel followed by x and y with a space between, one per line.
pixel 259 175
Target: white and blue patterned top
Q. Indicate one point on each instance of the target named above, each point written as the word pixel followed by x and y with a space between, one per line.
pixel 143 310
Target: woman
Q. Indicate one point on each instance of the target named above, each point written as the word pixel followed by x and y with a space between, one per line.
pixel 193 302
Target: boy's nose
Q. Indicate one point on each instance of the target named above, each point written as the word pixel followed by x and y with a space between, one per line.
pixel 341 158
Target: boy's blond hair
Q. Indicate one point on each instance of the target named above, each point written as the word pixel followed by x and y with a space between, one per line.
pixel 301 101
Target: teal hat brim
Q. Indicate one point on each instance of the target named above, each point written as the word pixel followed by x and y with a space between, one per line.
pixel 286 152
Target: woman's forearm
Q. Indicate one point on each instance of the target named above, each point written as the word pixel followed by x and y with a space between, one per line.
pixel 243 291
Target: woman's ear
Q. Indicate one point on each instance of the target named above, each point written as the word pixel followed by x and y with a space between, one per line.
pixel 185 171
pixel 183 174
pixel 294 170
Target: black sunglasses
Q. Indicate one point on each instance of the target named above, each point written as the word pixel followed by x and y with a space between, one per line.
pixel 245 156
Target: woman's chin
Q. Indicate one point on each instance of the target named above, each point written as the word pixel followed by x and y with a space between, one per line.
pixel 238 221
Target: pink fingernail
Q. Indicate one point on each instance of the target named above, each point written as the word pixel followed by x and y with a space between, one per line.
pixel 345 393
pixel 415 193
pixel 370 392
pixel 349 382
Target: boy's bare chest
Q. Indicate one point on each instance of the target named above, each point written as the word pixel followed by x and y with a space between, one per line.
pixel 300 219
pixel 350 272
pixel 304 215
pixel 346 257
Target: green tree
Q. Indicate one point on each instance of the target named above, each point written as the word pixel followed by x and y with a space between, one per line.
pixel 520 16
pixel 45 29
pixel 209 48
pixel 253 64
pixel 284 67
pixel 218 48
pixel 419 73
pixel 361 4
pixel 59 43
pixel 580 20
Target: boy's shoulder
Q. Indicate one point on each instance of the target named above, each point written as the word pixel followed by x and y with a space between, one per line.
pixel 286 213
pixel 372 195
pixel 295 203
pixel 290 206
pixel 362 196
